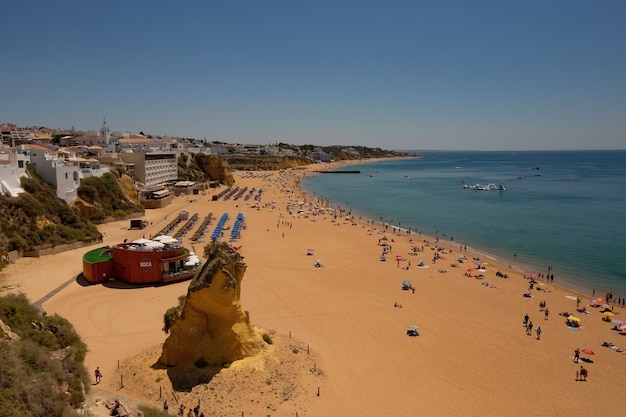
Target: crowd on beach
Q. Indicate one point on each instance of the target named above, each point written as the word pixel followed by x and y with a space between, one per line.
pixel 419 257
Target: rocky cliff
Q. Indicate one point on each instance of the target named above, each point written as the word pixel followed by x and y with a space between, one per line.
pixel 216 168
pixel 213 328
pixel 128 188
pixel 266 163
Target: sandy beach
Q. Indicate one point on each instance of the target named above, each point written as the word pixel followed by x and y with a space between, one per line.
pixel 341 343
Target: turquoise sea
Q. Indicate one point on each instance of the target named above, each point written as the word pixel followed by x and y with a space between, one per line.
pixel 564 209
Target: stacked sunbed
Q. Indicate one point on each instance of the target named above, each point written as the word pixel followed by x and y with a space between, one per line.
pixel 218 229
pixel 235 233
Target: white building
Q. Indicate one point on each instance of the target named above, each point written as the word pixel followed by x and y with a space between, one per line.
pixel 152 168
pixel 63 172
pixel 12 168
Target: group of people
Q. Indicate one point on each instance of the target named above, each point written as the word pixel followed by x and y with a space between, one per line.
pixel 581 374
pixel 528 324
pixel 193 412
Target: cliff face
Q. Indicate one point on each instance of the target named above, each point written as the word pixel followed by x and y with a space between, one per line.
pixel 128 188
pixel 83 208
pixel 216 168
pixel 213 328
pixel 266 163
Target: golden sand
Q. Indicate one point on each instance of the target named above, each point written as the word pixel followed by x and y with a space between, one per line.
pixel 472 357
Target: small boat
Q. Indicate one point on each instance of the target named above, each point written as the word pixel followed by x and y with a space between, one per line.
pixel 485 187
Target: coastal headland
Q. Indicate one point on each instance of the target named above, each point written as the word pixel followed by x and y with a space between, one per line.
pixel 340 330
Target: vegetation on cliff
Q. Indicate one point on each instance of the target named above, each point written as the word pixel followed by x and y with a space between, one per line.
pixel 42 373
pixel 107 196
pixel 265 163
pixel 189 168
pixel 38 218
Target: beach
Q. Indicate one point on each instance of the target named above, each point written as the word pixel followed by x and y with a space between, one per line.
pixel 347 320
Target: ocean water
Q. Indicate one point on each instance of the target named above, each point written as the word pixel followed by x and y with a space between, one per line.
pixel 563 209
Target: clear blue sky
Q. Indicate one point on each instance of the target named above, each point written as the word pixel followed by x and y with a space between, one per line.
pixel 485 75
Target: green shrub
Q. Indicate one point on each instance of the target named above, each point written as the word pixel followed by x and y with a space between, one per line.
pixel 23 216
pixel 267 338
pixel 170 316
pixel 38 370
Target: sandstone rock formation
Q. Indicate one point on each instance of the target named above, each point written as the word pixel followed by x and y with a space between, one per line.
pixel 213 328
pixel 6 333
pixel 216 168
pixel 83 208
pixel 128 188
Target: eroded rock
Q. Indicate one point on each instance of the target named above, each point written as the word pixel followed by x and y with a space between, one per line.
pixel 213 328
pixel 6 332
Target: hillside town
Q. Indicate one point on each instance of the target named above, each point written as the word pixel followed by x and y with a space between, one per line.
pixel 63 157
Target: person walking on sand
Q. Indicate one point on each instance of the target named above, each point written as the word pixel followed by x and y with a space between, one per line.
pixel 576 355
pixel 525 322
pixel 98 375
pixel 166 406
pixel 546 313
pixel 538 333
pixel 529 329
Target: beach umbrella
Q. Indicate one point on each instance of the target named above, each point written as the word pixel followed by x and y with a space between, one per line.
pixel 617 322
pixel 608 314
pixel 622 327
pixel 406 283
pixel 398 257
pixel 588 351
pixel 573 318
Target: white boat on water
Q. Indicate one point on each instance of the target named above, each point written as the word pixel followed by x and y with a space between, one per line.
pixel 485 187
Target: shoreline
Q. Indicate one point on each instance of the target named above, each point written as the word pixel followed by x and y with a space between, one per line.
pixel 472 357
pixel 525 269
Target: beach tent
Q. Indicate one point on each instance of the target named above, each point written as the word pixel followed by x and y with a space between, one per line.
pixel 165 239
pixel 141 241
pixel 154 244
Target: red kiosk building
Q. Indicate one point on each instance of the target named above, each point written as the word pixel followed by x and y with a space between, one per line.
pixel 142 261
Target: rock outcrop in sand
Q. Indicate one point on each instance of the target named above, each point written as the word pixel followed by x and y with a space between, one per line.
pixel 213 328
